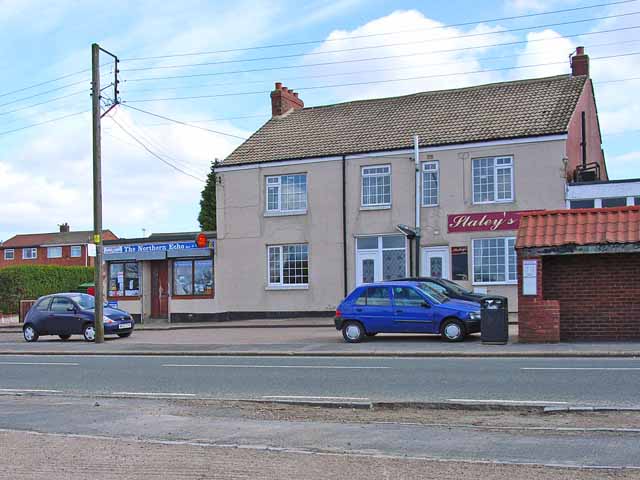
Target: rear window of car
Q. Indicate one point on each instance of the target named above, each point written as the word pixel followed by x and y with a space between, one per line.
pixel 43 304
pixel 374 296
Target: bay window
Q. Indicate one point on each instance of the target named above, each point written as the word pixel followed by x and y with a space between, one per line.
pixel 494 260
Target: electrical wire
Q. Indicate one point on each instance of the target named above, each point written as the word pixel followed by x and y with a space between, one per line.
pixel 351 37
pixel 207 120
pixel 370 82
pixel 44 103
pixel 139 142
pixel 359 60
pixel 375 70
pixel 183 123
pixel 44 123
pixel 374 47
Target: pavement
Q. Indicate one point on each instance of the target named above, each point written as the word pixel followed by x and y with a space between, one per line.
pixel 301 337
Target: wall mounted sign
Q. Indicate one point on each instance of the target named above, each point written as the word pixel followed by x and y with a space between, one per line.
pixel 483 222
pixel 529 277
pixel 460 263
pixel 150 247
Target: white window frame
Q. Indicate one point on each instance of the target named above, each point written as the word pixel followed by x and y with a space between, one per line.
pixel 495 180
pixel 275 181
pixel 281 285
pixel 79 247
pixel 49 250
pixel 426 170
pixel 363 174
pixel 507 281
pixel 6 254
pixel 33 250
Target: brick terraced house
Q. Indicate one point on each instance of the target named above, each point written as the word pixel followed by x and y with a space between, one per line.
pixel 321 199
pixel 58 248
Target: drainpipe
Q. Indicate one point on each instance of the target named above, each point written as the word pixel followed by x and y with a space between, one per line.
pixel 344 225
pixel 584 140
pixel 416 154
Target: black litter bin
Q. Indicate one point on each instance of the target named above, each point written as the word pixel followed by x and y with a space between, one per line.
pixel 494 320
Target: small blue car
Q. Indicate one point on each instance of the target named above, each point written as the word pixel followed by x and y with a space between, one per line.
pixel 405 307
pixel 66 314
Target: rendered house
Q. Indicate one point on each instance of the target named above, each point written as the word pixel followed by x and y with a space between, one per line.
pixel 322 199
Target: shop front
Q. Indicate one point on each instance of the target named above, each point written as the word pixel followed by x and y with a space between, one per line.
pixel 161 277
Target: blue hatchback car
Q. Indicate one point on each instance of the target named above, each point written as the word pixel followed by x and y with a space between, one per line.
pixel 405 307
pixel 66 314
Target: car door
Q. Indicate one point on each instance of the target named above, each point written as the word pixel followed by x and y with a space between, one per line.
pixel 373 308
pixel 412 311
pixel 39 315
pixel 63 317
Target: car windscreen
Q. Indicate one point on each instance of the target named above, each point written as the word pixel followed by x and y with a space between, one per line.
pixel 86 302
pixel 455 287
pixel 432 293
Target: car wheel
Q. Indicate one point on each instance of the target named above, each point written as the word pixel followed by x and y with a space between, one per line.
pixel 353 332
pixel 89 332
pixel 124 335
pixel 64 337
pixel 30 334
pixel 453 330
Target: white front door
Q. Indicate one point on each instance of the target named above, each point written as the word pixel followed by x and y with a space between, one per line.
pixel 368 268
pixel 435 262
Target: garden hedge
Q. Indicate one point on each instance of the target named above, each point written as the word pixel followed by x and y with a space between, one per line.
pixel 29 282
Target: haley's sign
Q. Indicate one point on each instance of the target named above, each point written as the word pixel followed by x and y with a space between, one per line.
pixel 149 247
pixel 483 222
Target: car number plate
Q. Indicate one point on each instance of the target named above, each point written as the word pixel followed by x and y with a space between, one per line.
pixel 124 325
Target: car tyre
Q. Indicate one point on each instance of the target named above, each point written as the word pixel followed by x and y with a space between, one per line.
pixel 89 332
pixel 125 334
pixel 30 333
pixel 353 332
pixel 64 337
pixel 453 330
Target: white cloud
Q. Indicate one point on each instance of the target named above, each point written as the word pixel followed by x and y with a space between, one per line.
pixel 626 165
pixel 545 48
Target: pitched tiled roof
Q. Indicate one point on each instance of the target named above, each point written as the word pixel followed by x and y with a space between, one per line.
pixel 587 226
pixel 523 108
pixel 55 238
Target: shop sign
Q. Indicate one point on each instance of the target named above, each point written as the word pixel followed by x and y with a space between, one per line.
pixel 150 247
pixel 483 222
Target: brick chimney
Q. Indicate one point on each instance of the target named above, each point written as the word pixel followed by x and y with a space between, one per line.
pixel 579 63
pixel 283 100
pixel 64 227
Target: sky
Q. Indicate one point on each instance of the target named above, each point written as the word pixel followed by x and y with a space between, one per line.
pixel 319 48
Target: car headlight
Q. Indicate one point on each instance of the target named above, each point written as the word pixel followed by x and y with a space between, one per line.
pixel 474 316
pixel 106 320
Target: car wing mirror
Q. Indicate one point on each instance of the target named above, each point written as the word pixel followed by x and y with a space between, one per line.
pixel 71 309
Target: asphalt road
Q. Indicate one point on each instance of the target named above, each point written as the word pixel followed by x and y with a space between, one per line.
pixel 541 381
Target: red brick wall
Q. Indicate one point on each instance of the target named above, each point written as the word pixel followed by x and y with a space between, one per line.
pixel 599 295
pixel 42 259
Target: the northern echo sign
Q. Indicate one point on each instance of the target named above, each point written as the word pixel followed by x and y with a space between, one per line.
pixel 483 222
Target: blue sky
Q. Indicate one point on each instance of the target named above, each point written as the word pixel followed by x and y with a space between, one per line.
pixel 46 170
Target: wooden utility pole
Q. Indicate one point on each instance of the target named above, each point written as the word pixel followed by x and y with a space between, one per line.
pixel 97 192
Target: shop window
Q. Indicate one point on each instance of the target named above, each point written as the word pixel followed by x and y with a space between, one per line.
pixel 288 265
pixel 286 193
pixel 9 254
pixel 614 202
pixel 430 184
pixel 193 278
pixel 492 179
pixel 376 186
pixel 54 252
pixel 124 280
pixel 76 251
pixel 581 203
pixel 29 253
pixel 494 260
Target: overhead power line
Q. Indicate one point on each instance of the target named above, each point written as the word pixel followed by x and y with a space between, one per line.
pixel 184 123
pixel 351 37
pixel 151 152
pixel 44 103
pixel 385 57
pixel 370 82
pixel 44 123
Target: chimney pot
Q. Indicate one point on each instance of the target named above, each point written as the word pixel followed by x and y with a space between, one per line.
pixel 284 100
pixel 278 85
pixel 580 63
pixel 64 227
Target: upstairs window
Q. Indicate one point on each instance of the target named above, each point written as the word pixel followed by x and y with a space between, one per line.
pixel 581 204
pixel 614 202
pixel 430 184
pixel 286 193
pixel 76 251
pixel 376 186
pixel 492 179
pixel 29 253
pixel 54 252
pixel 9 254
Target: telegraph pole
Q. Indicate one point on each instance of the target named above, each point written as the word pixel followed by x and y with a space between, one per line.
pixel 97 179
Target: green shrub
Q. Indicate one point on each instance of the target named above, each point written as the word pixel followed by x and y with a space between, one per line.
pixel 29 282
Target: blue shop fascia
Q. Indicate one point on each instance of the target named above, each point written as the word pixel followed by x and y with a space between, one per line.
pixel 163 276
